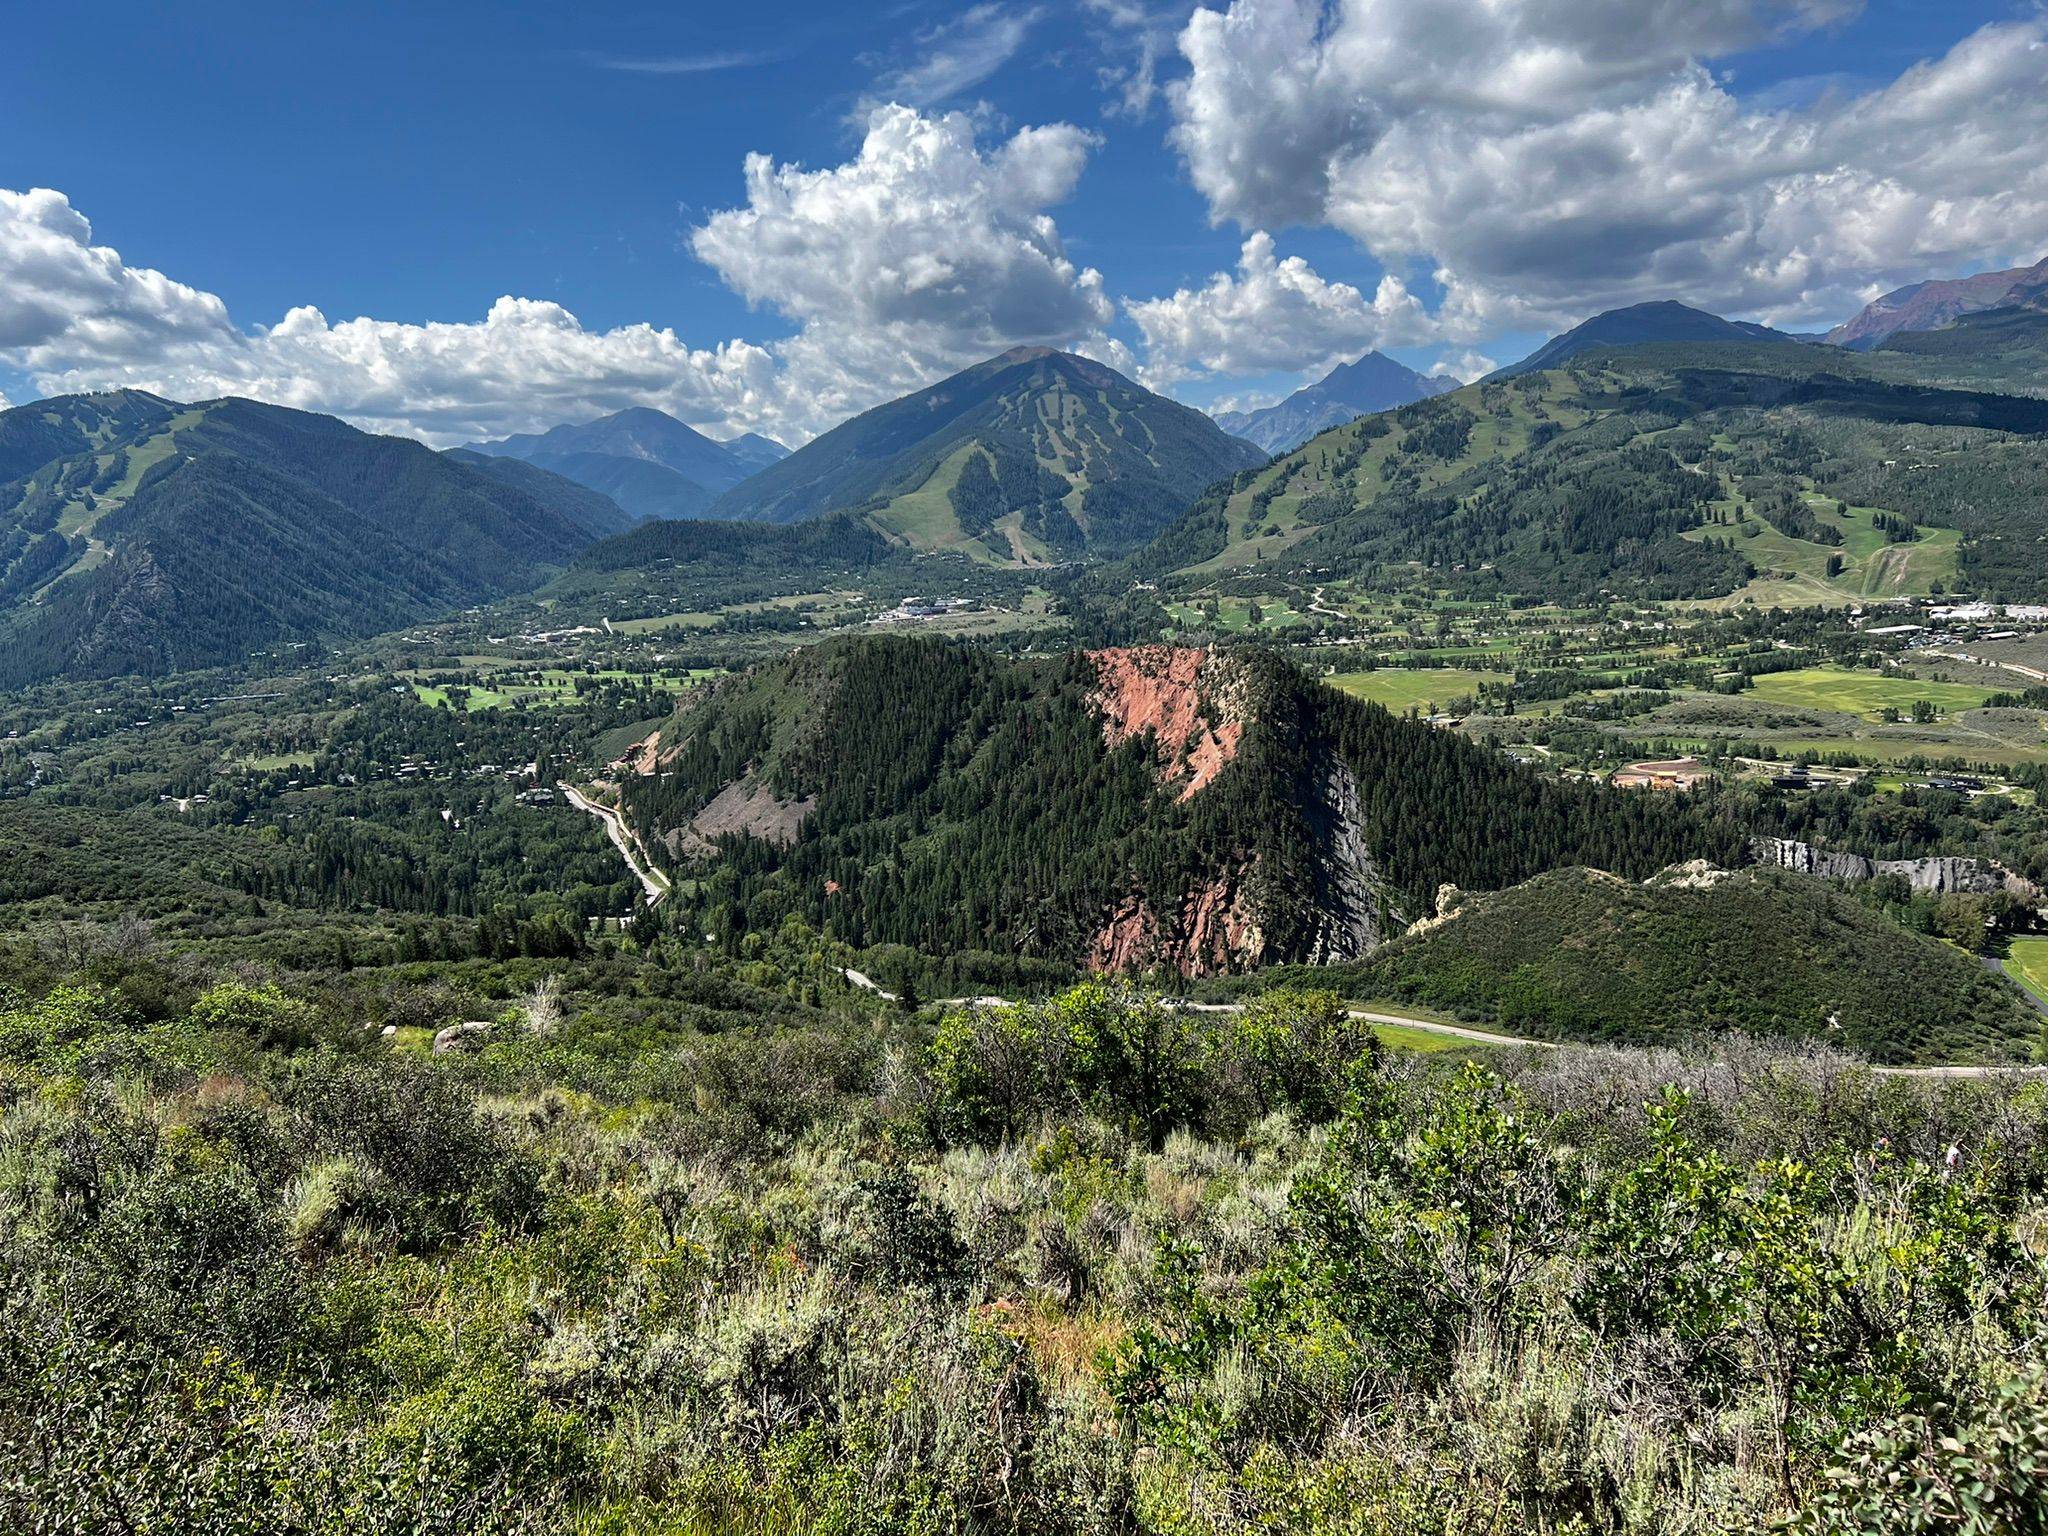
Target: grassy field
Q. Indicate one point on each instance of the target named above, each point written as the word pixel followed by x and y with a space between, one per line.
pixel 1863 693
pixel 925 516
pixel 1404 688
pixel 1234 614
pixel 1404 1037
pixel 549 687
pixel 1795 570
pixel 663 621
pixel 704 619
pixel 2027 964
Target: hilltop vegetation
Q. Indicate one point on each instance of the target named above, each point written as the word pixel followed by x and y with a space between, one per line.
pixel 1576 954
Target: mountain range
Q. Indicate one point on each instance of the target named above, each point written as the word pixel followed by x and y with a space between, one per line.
pixel 1031 458
pixel 1375 382
pixel 1652 465
pixel 1940 302
pixel 141 535
pixel 1644 449
pixel 652 465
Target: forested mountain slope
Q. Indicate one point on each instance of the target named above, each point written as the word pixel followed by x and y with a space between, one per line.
pixel 1658 323
pixel 1660 470
pixel 1029 458
pixel 1998 349
pixel 1124 808
pixel 592 511
pixel 138 535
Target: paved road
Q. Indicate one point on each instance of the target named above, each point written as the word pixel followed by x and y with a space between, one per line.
pixel 1994 963
pixel 1435 1026
pixel 622 839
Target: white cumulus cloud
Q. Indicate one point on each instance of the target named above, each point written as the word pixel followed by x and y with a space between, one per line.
pixel 1273 315
pixel 923 253
pixel 59 290
pixel 1552 157
pixel 1465 367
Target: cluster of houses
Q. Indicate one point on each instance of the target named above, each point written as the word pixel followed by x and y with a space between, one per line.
pixel 914 610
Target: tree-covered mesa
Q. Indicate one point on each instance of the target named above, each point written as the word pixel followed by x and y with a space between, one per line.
pixel 1089 1265
pixel 910 792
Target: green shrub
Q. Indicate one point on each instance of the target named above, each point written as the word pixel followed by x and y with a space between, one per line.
pixel 448 1170
pixel 264 1015
pixel 485 1424
pixel 1977 1468
pixel 1288 1049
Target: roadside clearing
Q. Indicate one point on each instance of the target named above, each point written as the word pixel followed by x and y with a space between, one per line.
pixel 1435 1026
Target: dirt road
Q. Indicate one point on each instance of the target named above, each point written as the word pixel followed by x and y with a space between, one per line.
pixel 867 983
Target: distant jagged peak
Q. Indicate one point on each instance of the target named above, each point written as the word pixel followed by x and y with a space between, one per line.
pixel 1024 354
pixel 1938 302
pixel 1362 387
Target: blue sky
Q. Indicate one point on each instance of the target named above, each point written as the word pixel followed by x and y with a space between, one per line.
pixel 413 163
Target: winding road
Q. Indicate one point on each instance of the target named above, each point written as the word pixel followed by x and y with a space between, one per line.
pixel 651 879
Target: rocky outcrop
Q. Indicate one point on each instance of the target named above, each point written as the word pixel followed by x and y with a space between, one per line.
pixel 1352 892
pixel 1189 701
pixel 471 1036
pixel 1449 902
pixel 1214 928
pixel 1193 706
pixel 1941 874
pixel 1129 940
pixel 1693 874
pixel 1222 924
pixel 644 758
pixel 746 807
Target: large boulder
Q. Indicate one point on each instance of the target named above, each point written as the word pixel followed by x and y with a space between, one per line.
pixel 470 1036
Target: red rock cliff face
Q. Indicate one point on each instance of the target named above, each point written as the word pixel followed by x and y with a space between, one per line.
pixel 1190 703
pixel 1188 699
pixel 1216 929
